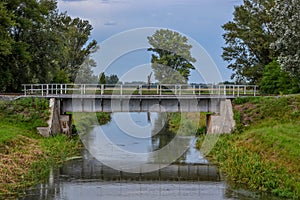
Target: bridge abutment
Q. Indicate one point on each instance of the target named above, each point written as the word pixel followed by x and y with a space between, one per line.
pixel 222 122
pixel 58 122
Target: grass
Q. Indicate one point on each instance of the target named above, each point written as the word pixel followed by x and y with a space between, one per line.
pixel 264 152
pixel 25 156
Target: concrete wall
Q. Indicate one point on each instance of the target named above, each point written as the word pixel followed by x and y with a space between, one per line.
pixel 154 104
pixel 224 122
pixel 57 123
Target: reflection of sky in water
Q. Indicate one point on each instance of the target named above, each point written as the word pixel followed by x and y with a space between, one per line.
pixel 130 131
pixel 133 132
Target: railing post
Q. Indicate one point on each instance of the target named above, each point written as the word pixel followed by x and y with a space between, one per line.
pixel 102 89
pixel 245 90
pixel 140 89
pixel 159 89
pixel 65 88
pixel 199 89
pixel 180 88
pixel 121 89
pixel 47 89
pixel 255 90
pixel 194 89
pixel 42 90
pixel 233 88
pixel 219 91
pixel 238 91
pixel 60 88
pixel 224 90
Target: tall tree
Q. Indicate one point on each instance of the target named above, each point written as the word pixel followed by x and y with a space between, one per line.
pixel 287 31
pixel 76 34
pixel 6 45
pixel 171 59
pixel 102 78
pixel 40 45
pixel 248 37
pixel 84 74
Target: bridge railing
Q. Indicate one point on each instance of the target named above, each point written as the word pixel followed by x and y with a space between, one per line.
pixel 139 89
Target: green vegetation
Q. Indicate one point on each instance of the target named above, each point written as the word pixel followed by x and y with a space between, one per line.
pixel 187 123
pixel 263 31
pixel 171 59
pixel 84 121
pixel 264 152
pixel 26 157
pixel 38 44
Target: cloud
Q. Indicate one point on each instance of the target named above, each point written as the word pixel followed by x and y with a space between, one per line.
pixel 110 23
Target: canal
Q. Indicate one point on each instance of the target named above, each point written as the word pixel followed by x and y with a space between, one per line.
pixel 138 156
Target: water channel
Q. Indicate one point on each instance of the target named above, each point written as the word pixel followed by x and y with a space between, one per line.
pixel 135 157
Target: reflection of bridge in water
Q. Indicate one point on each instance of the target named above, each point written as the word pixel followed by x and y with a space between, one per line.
pixel 93 169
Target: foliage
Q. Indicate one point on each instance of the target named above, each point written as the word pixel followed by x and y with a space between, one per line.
pixel 102 79
pixel 40 45
pixel 84 121
pixel 186 123
pixel 85 74
pixel 29 112
pixel 265 155
pixel 276 81
pixel 171 59
pixel 248 38
pixel 25 157
pixel 287 32
pixel 112 79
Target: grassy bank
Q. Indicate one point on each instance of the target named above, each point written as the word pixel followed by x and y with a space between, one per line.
pixel 264 152
pixel 26 157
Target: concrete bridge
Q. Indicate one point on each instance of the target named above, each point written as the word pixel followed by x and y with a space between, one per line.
pixel 139 98
pixel 210 98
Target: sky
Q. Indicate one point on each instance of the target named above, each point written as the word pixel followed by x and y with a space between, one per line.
pixel 121 28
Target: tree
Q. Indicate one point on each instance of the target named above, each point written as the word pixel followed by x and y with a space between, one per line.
pixel 84 74
pixel 248 38
pixel 287 31
pixel 102 79
pixel 6 45
pixel 112 79
pixel 40 45
pixel 171 59
pixel 276 81
pixel 75 35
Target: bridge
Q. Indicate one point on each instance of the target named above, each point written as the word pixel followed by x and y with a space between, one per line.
pixel 139 98
pixel 210 98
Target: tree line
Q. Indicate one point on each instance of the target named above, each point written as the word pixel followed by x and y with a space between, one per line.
pixel 38 44
pixel 262 45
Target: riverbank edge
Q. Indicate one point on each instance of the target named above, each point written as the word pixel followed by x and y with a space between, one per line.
pixel 262 155
pixel 26 157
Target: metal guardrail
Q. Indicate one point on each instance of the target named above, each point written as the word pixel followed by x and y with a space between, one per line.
pixel 139 89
